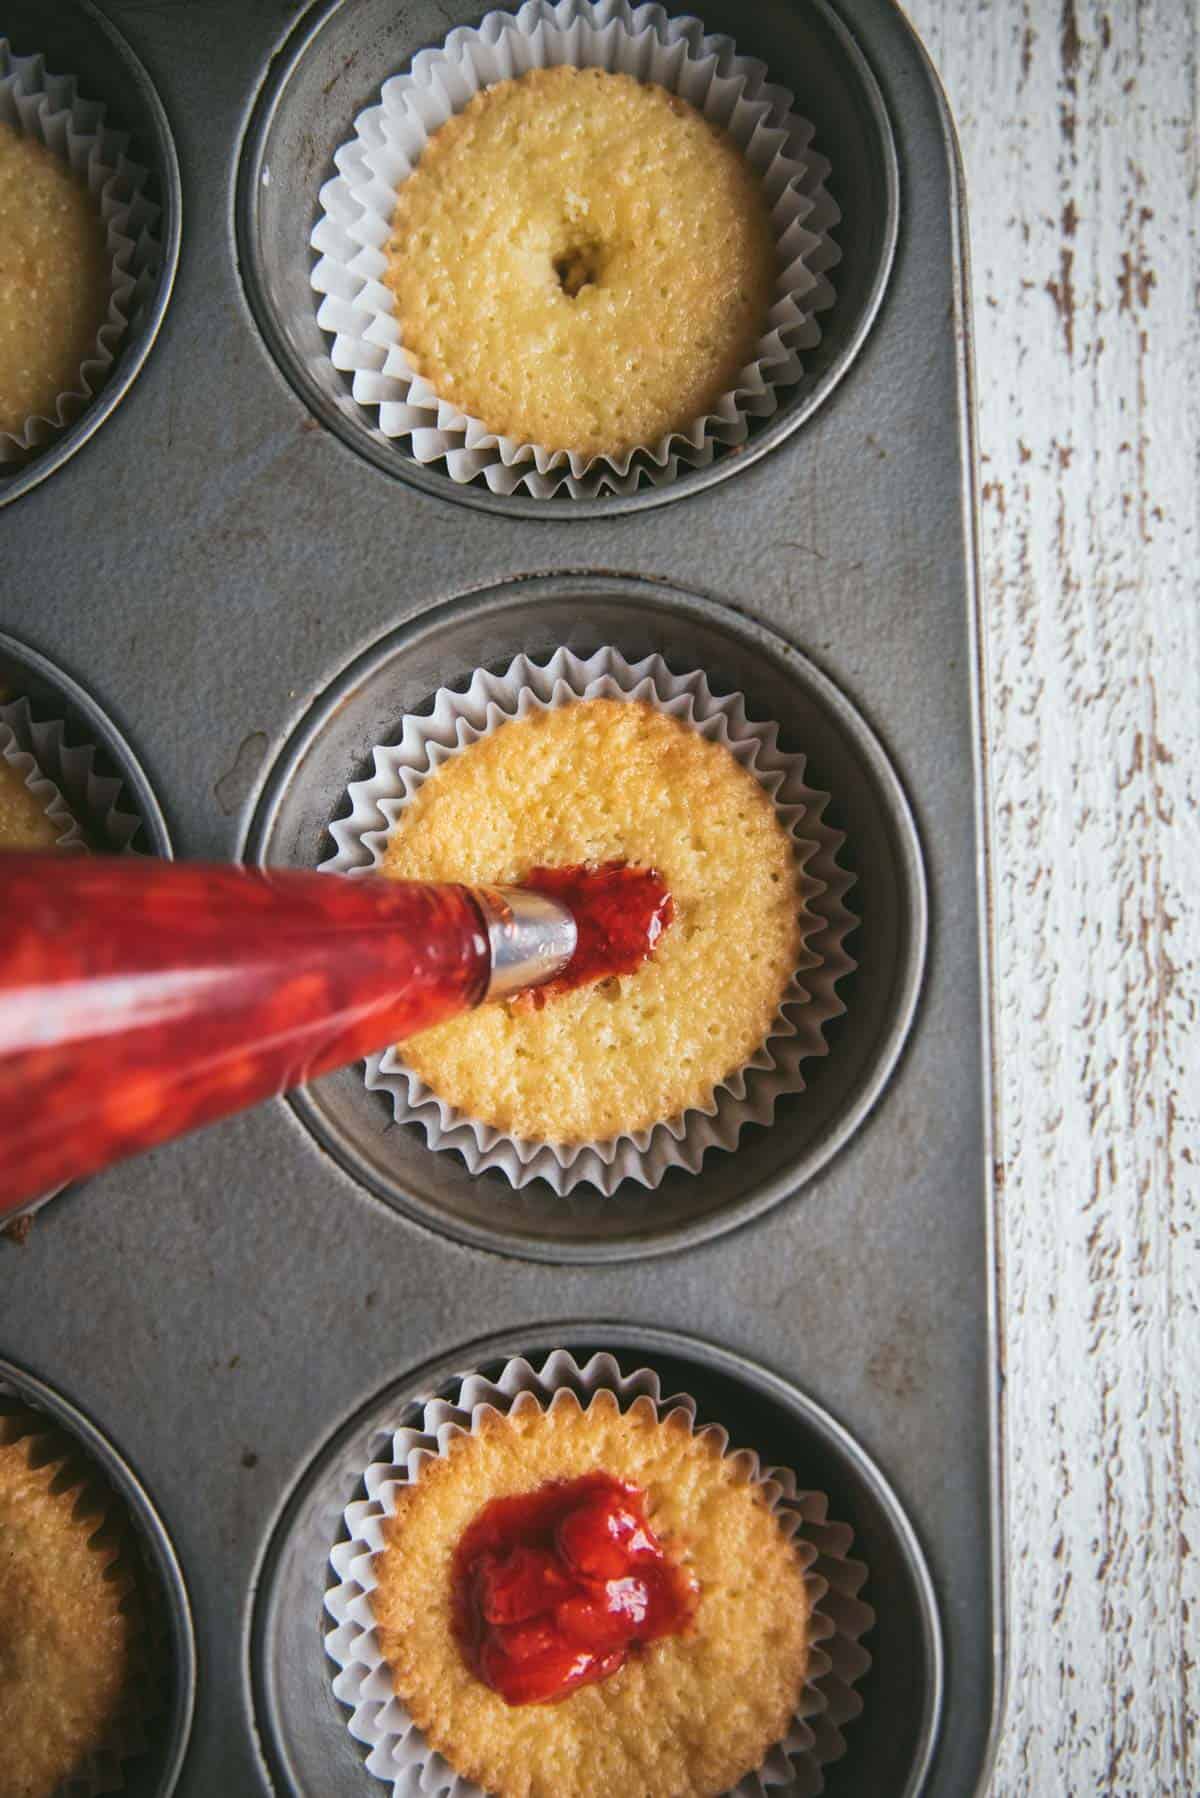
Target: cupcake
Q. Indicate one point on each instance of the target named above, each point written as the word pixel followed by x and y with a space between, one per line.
pixel 561 1585
pixel 68 1616
pixel 78 251
pixel 576 247
pixel 600 781
pixel 573 772
pixel 54 278
pixel 581 260
pixel 617 1572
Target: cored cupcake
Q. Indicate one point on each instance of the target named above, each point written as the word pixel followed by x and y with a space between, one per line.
pixel 576 246
pixel 582 261
pixel 601 764
pixel 568 1588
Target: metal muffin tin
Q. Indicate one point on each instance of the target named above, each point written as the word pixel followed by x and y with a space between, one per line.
pixel 255 604
pixel 154 1772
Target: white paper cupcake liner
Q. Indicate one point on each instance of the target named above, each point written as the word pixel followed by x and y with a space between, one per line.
pixel 95 800
pixel 96 1506
pixel 809 1001
pixel 398 1752
pixel 44 791
pixel 732 91
pixel 48 107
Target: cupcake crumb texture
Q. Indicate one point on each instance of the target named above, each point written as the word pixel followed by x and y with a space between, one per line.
pixel 688 1716
pixel 581 261
pixel 596 781
pixel 54 279
pixel 66 1623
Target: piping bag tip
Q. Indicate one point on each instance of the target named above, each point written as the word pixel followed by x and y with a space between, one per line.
pixel 531 936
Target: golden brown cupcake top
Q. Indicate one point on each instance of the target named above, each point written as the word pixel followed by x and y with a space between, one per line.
pixel 689 1715
pixel 54 279
pixel 66 1629
pixel 597 781
pixel 581 261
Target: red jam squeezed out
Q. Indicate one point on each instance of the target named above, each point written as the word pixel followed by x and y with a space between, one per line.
pixel 620 913
pixel 553 1589
pixel 139 999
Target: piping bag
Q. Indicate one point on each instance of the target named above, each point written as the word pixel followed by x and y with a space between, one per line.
pixel 140 999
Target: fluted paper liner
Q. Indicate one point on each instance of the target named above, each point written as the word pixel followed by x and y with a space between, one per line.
pixel 95 800
pixel 732 91
pixel 97 1509
pixel 44 791
pixel 49 108
pixel 398 1752
pixel 809 1001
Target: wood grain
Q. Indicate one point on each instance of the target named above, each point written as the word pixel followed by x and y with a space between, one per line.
pixel 1079 133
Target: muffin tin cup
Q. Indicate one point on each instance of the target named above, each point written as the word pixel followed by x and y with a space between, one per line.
pixel 395 678
pixel 398 1751
pixel 144 1757
pixel 47 107
pixel 731 91
pixel 48 797
pixel 751 1093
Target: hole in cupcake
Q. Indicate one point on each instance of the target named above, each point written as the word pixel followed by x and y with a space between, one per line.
pixel 577 267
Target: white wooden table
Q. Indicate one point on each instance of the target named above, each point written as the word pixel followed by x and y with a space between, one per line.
pixel 1079 131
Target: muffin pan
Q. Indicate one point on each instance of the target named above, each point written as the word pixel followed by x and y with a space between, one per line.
pixel 256 606
pixel 76 38
pixel 153 1773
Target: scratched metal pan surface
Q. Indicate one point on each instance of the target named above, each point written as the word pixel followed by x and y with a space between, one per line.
pixel 254 590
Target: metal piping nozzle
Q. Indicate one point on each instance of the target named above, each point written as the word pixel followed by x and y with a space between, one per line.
pixel 532 937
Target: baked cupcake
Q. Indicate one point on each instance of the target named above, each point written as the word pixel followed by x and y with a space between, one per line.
pixel 68 1615
pixel 575 249
pixel 79 251
pixel 599 781
pixel 591 1603
pixel 559 1584
pixel 55 279
pixel 541 767
pixel 581 260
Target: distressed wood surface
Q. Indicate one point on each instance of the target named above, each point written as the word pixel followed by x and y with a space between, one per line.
pixel 1078 126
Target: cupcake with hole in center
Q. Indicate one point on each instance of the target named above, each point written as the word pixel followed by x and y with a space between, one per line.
pixel 576 247
pixel 582 261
